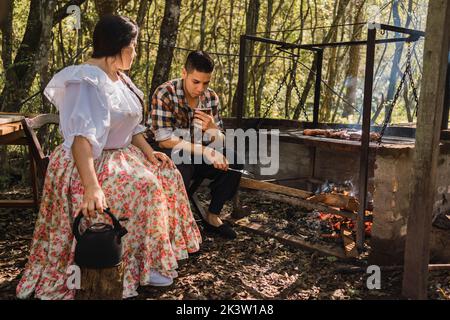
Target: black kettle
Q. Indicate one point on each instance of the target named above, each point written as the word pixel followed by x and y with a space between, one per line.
pixel 100 245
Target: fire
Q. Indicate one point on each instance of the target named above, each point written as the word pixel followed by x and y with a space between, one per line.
pixel 336 222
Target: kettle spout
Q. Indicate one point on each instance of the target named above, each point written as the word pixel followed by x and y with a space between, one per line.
pixel 121 232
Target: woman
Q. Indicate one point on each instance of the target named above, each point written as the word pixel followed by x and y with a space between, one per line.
pixel 105 161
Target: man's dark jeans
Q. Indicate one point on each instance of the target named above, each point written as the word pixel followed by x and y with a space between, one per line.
pixel 223 186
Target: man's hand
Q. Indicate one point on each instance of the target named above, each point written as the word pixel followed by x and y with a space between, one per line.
pixel 207 122
pixel 217 159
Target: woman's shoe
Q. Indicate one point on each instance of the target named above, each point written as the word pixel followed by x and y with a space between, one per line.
pixel 158 280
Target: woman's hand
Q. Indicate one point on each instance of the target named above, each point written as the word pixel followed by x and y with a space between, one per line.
pixel 161 159
pixel 93 199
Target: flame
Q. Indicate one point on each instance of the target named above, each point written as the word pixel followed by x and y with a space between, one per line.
pixel 336 222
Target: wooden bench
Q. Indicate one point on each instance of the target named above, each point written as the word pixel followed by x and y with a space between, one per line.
pixel 15 129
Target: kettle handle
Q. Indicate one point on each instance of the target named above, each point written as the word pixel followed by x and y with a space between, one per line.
pixel 76 223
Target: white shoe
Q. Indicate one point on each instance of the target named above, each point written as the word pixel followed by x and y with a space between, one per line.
pixel 158 280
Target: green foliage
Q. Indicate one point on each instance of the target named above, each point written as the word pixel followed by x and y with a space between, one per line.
pixel 225 22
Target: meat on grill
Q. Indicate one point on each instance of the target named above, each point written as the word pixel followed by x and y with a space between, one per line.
pixel 340 134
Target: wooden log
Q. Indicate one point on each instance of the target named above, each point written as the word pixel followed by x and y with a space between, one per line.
pixel 341 201
pixel 267 186
pixel 356 269
pixel 17 203
pixel 308 205
pixel 337 200
pixel 101 284
pixel 349 243
pixel 291 239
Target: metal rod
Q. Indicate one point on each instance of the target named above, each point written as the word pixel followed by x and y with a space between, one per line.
pixel 318 46
pixel 279 43
pixel 240 95
pixel 411 32
pixel 319 57
pixel 356 43
pixel 364 153
pixel 414 35
pixel 445 115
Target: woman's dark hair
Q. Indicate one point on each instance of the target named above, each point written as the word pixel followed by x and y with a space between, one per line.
pixel 200 61
pixel 111 34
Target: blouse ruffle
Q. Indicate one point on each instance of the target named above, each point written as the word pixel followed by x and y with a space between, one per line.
pixel 85 97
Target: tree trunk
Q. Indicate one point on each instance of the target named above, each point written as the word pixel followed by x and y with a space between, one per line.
pixel 407 99
pixel 6 27
pixel 351 77
pixel 395 62
pixel 142 12
pixel 332 72
pixel 327 102
pixel 104 7
pixel 42 61
pixel 230 60
pixel 309 82
pixel 203 25
pixel 251 25
pixel 101 284
pixel 265 65
pixel 193 15
pixel 21 74
pixel 289 87
pixel 167 42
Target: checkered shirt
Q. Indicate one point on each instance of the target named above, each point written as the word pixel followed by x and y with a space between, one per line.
pixel 170 110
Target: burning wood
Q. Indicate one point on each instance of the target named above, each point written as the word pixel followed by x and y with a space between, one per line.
pixel 349 243
pixel 333 224
pixel 345 134
pixel 341 201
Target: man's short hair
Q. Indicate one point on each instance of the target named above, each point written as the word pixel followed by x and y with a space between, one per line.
pixel 200 61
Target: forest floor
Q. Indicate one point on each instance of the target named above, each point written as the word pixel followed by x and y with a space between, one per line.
pixel 250 267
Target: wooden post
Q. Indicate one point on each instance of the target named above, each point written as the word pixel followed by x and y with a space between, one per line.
pixel 415 282
pixel 101 284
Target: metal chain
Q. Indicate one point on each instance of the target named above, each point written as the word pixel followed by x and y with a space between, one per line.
pixel 397 92
pixel 277 92
pixel 411 80
pixel 297 90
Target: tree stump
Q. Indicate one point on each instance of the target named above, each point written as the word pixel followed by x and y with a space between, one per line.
pixel 101 284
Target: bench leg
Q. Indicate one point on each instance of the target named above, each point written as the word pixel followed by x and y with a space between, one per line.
pixel 34 180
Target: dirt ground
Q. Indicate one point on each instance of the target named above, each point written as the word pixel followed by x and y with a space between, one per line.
pixel 250 267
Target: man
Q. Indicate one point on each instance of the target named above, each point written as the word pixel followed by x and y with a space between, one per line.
pixel 186 107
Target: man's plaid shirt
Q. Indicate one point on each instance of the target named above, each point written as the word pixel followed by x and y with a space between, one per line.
pixel 170 110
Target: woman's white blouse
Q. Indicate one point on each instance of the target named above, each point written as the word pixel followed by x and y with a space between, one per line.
pixel 91 105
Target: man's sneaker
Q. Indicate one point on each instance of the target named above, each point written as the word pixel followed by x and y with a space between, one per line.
pixel 158 280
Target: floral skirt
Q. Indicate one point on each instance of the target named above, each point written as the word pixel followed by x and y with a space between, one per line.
pixel 161 227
